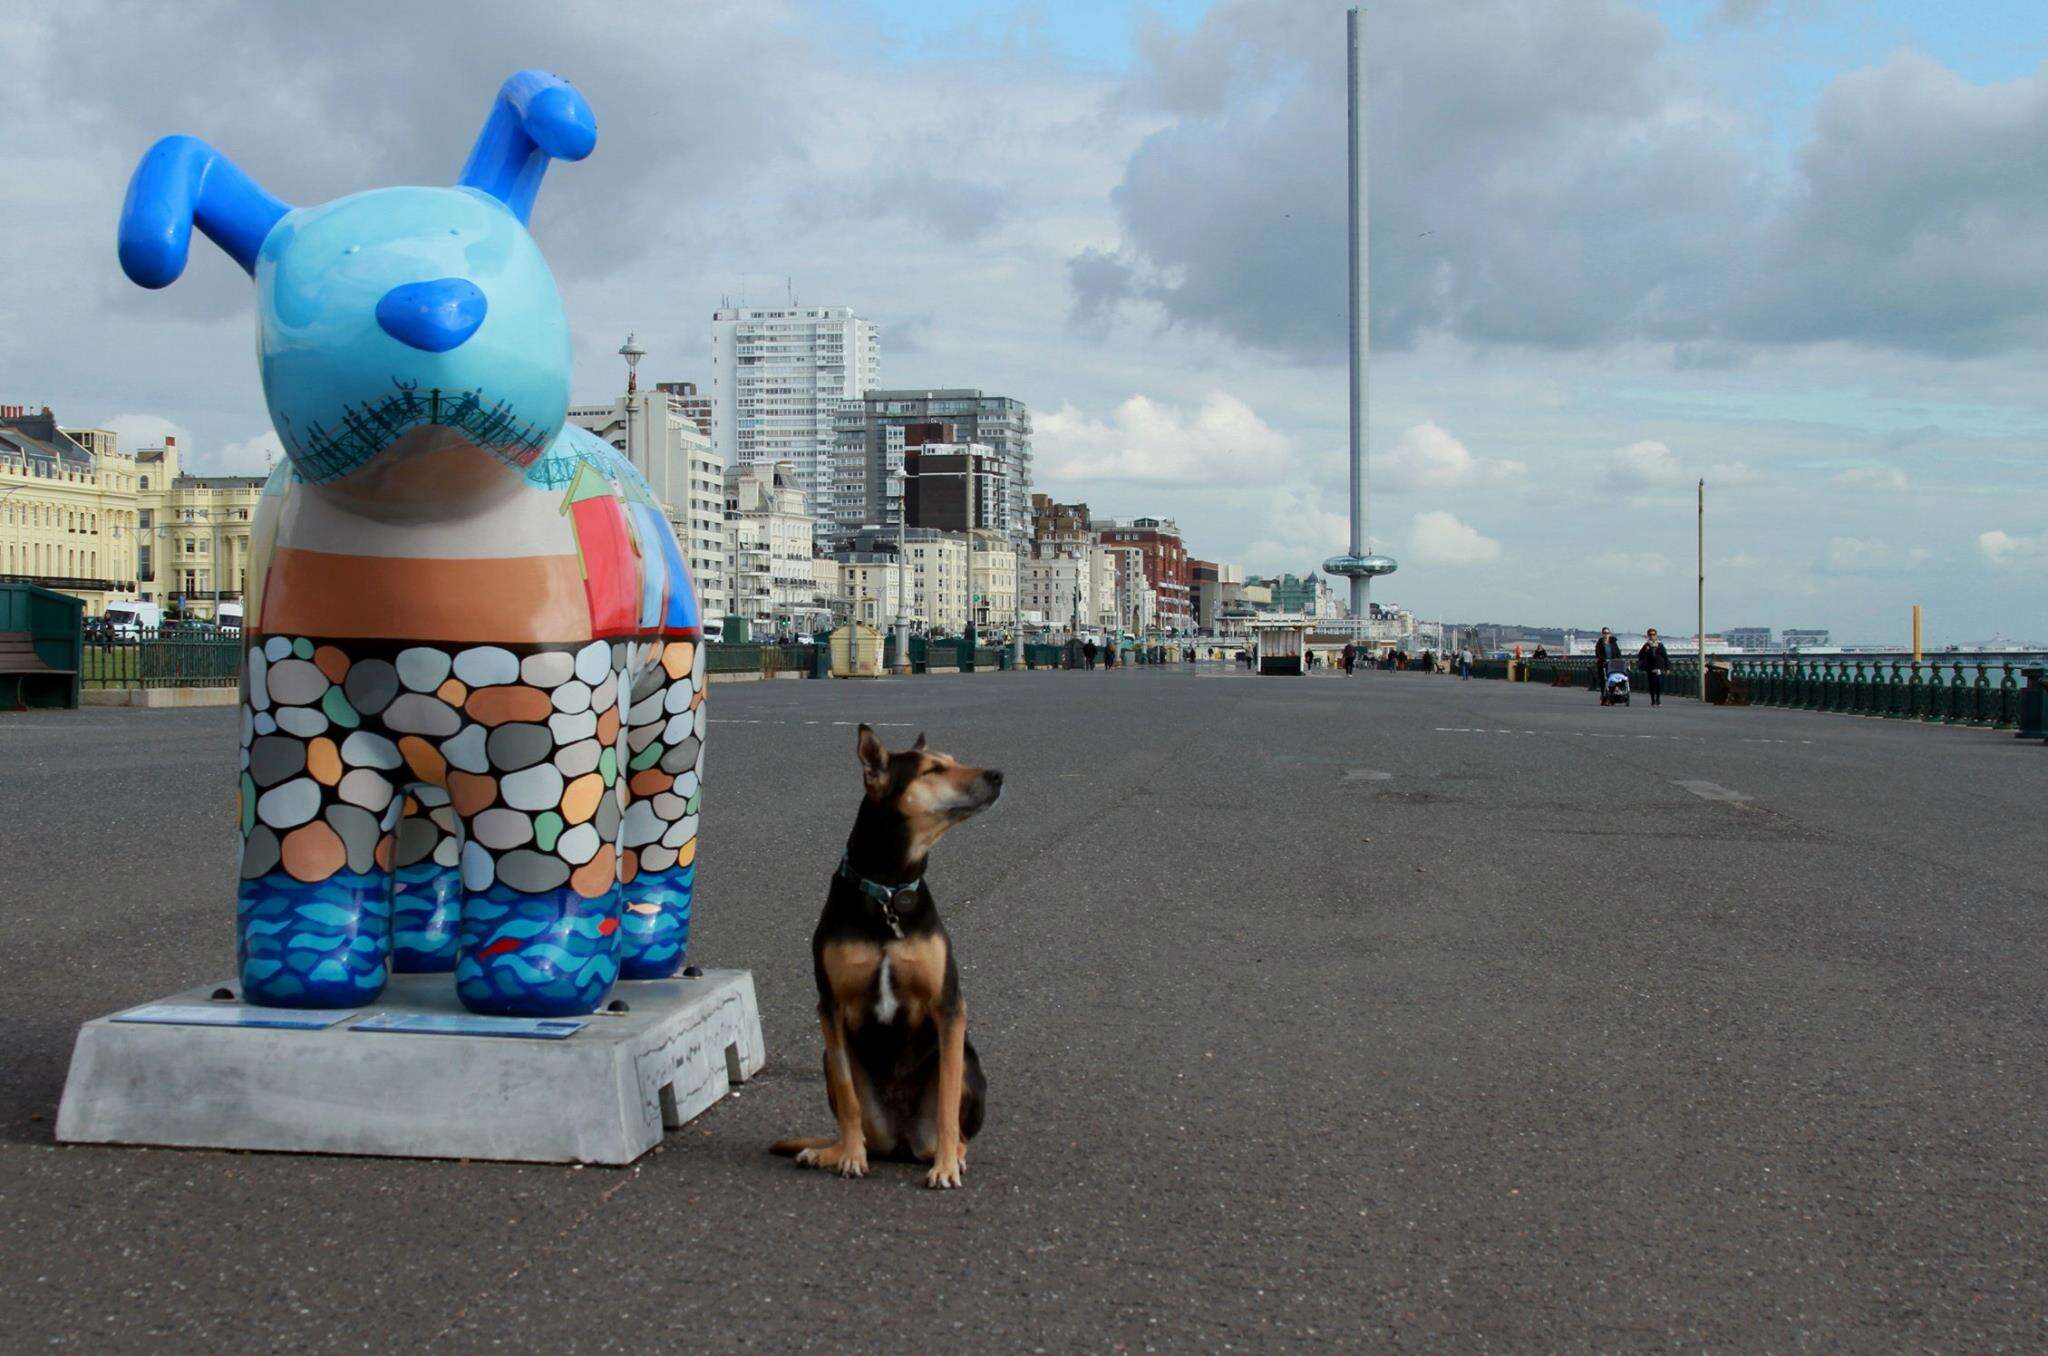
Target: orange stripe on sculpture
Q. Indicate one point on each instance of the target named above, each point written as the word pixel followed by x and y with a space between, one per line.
pixel 529 599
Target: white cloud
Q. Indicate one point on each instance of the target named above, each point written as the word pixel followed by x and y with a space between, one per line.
pixel 251 456
pixel 1429 457
pixel 1221 442
pixel 1859 555
pixel 1438 538
pixel 1872 478
pixel 1296 530
pixel 1645 465
pixel 2005 550
pixel 1650 464
pixel 136 431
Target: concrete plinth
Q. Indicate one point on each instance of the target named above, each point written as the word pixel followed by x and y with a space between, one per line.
pixel 601 1095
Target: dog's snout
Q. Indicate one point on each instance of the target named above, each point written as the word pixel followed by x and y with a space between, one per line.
pixel 432 316
pixel 995 777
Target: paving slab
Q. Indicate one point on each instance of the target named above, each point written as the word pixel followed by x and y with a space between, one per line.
pixel 1521 1046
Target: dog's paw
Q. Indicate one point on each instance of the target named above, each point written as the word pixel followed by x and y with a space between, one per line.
pixel 836 1158
pixel 945 1176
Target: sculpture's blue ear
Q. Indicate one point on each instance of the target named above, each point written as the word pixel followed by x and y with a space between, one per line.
pixel 182 182
pixel 538 117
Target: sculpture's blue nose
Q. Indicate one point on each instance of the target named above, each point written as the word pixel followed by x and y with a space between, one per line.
pixel 435 316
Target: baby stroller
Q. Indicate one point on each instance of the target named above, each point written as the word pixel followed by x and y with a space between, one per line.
pixel 1614 691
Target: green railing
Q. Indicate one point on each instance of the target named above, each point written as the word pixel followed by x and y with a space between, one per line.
pixel 728 658
pixel 1978 690
pixel 170 657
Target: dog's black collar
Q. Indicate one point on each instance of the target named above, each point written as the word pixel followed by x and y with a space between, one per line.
pixel 893 900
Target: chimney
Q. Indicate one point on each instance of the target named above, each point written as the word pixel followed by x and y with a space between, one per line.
pixel 170 440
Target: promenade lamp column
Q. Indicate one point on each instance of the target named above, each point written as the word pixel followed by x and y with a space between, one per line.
pixel 632 353
pixel 1700 550
pixel 902 664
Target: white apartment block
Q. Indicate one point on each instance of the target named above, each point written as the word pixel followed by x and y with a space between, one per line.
pixel 937 570
pixel 769 549
pixel 1134 600
pixel 869 588
pixel 779 375
pixel 685 474
pixel 992 580
pixel 1049 590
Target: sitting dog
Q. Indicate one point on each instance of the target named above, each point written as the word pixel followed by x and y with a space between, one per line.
pixel 900 1073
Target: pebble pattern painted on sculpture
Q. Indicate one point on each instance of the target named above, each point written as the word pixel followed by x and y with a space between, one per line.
pixel 523 816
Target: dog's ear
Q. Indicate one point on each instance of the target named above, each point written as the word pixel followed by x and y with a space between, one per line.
pixel 918 747
pixel 874 760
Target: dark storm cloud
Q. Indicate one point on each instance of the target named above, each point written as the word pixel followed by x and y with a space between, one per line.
pixel 1543 176
pixel 387 93
pixel 1918 220
pixel 697 107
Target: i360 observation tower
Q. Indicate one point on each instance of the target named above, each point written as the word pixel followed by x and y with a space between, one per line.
pixel 1360 565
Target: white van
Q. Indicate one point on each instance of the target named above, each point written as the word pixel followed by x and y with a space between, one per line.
pixel 228 617
pixel 129 619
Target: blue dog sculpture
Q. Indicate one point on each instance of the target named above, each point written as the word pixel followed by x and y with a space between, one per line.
pixel 472 717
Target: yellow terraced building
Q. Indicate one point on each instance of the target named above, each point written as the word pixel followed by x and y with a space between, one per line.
pixel 79 515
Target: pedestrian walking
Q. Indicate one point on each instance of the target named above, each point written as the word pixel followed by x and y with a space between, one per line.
pixel 1088 653
pixel 1465 664
pixel 1653 659
pixel 1350 658
pixel 1605 651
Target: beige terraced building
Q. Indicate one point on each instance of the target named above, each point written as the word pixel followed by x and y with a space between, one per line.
pixel 79 515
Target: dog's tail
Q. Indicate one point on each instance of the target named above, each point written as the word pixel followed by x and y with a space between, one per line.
pixel 790 1148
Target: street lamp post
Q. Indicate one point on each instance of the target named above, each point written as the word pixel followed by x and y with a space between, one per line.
pixel 902 664
pixel 1700 546
pixel 632 353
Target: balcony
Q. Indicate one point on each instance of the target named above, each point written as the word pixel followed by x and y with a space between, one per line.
pixel 72 583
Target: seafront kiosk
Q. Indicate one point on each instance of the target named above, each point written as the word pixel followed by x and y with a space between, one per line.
pixel 1279 642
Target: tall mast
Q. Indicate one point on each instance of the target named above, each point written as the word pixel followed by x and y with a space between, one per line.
pixel 1361 304
pixel 1358 564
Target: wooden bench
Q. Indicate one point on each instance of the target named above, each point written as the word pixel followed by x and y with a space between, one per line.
pixel 20 666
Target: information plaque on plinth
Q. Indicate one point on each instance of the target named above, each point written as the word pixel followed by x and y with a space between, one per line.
pixel 413 1074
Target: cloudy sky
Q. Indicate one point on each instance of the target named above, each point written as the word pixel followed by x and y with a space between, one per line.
pixel 1797 247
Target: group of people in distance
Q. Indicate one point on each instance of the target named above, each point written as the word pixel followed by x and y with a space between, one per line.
pixel 1652 660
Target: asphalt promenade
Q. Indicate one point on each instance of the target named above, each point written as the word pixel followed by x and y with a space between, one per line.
pixel 1386 1012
